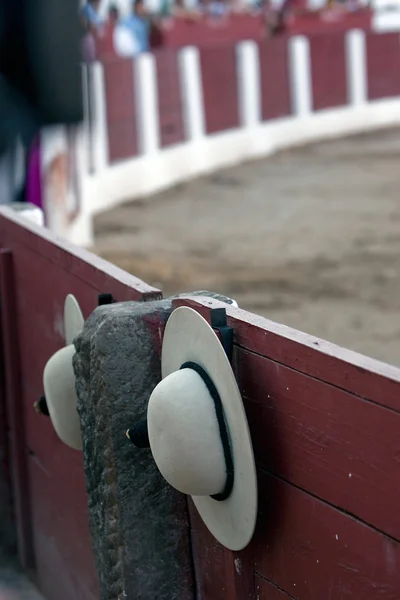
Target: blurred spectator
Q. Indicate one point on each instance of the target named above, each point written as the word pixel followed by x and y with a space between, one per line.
pixel 138 23
pixel 91 16
pixel 218 9
pixel 113 16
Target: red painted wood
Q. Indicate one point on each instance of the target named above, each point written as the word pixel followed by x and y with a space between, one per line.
pixel 220 88
pixel 80 264
pixel 383 65
pixel 169 98
pixel 322 23
pixel 312 550
pixel 274 79
pixel 44 272
pixel 268 591
pixel 206 32
pixel 13 408
pixel 219 572
pixel 209 564
pixel 309 436
pixel 360 375
pixel 121 109
pixel 6 501
pixel 323 439
pixel 328 70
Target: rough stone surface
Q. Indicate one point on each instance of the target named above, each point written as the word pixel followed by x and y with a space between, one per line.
pixel 139 524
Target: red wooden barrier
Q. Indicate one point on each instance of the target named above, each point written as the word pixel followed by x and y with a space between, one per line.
pixel 325 424
pixel 328 70
pixel 324 421
pixel 329 22
pixel 220 88
pixel 169 98
pixel 36 273
pixel 206 32
pixel 274 79
pixel 383 65
pixel 119 84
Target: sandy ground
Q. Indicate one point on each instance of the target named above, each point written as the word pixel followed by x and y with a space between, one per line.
pixel 309 238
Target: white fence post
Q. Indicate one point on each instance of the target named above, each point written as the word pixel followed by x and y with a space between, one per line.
pixel 100 130
pixel 300 76
pixel 248 70
pixel 192 93
pixel 356 67
pixel 147 103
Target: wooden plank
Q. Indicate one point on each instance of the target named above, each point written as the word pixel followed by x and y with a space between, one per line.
pixel 11 372
pixel 231 571
pixel 312 550
pixel 63 549
pixel 323 439
pixel 220 573
pixel 274 79
pixel 328 70
pixel 337 446
pixel 220 88
pixel 360 375
pixel 84 265
pixel 119 90
pixel 383 65
pixel 169 93
pixel 268 591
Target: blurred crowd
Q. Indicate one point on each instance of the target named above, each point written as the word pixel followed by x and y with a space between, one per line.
pixel 131 33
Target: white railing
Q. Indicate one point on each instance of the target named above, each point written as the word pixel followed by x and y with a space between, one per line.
pixel 156 169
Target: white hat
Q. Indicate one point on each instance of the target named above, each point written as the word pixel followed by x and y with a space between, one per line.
pixel 198 431
pixel 59 380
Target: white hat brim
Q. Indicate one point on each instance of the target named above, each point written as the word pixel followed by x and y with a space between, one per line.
pixel 188 337
pixel 60 393
pixel 73 319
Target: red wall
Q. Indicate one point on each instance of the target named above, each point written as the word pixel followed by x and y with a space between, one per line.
pixel 220 87
pixel 328 70
pixel 219 80
pixel 206 32
pixel 274 79
pixel 328 523
pixel 169 98
pixel 383 65
pixel 121 109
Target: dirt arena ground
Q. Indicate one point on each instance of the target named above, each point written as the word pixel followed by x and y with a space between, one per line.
pixel 309 238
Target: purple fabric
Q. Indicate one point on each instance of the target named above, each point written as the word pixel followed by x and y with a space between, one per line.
pixel 34 183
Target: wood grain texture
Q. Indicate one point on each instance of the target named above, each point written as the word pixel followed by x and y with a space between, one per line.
pixel 323 439
pixel 219 572
pixel 77 262
pixel 268 591
pixel 360 375
pixel 322 453
pixel 45 271
pixel 313 551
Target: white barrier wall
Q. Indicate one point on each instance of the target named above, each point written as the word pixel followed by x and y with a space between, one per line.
pixel 155 169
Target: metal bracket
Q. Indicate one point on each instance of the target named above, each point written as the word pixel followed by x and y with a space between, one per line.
pixel 104 299
pixel 219 322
